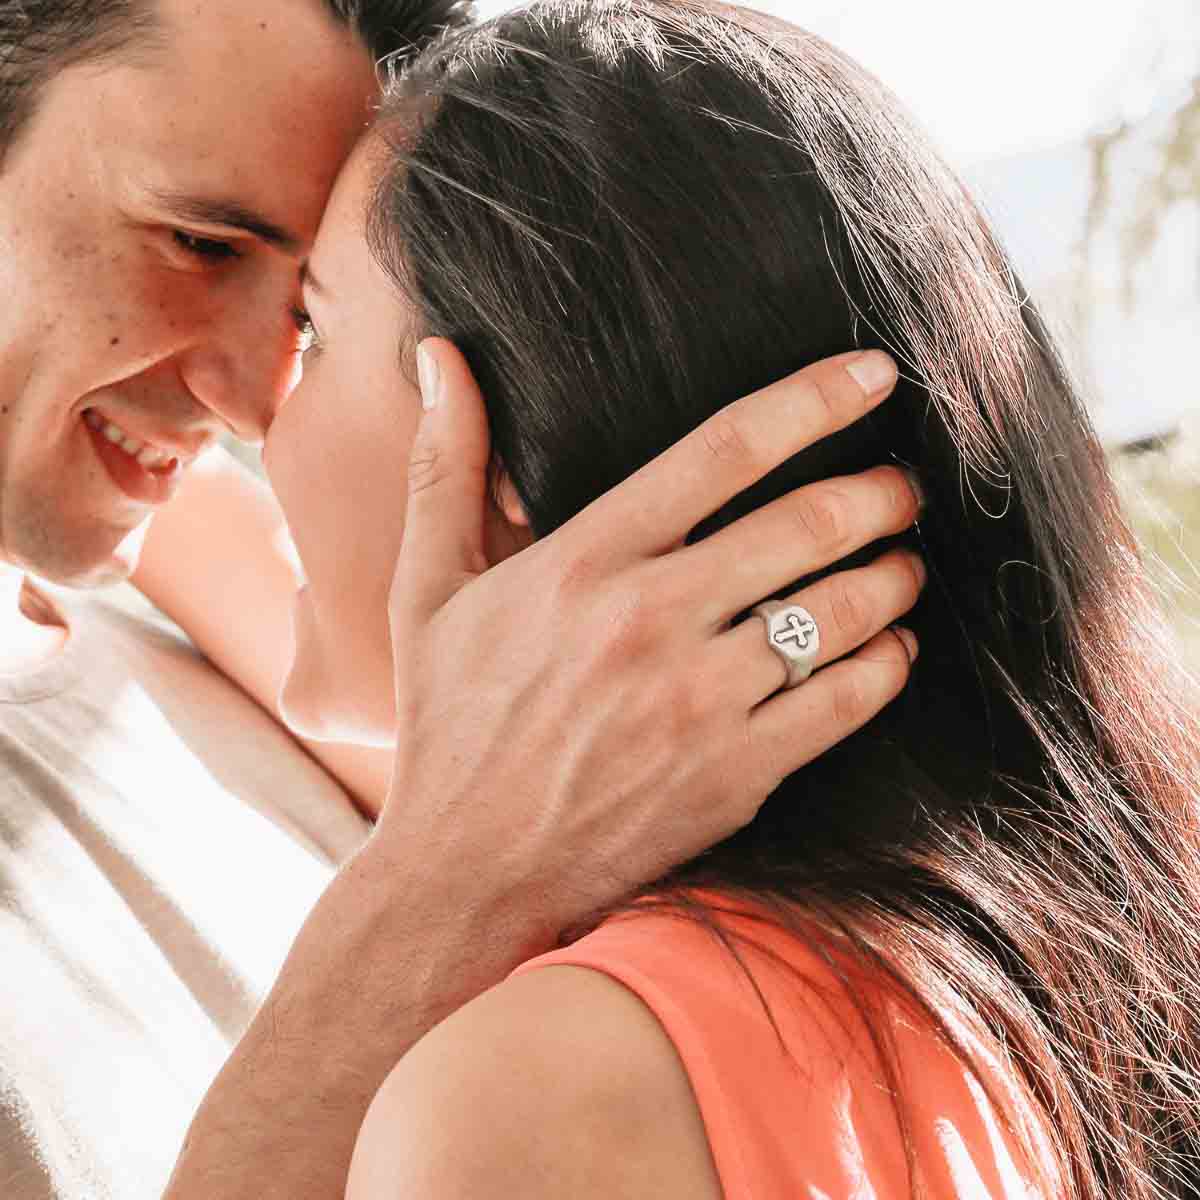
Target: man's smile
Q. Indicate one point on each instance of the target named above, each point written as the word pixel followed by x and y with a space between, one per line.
pixel 148 455
pixel 148 471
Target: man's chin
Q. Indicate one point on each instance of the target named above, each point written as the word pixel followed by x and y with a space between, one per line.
pixel 90 568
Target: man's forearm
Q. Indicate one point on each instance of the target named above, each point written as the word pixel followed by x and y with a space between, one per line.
pixel 364 981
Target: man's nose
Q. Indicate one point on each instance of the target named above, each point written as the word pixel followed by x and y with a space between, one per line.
pixel 242 371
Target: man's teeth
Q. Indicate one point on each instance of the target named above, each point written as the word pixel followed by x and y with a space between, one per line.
pixel 149 457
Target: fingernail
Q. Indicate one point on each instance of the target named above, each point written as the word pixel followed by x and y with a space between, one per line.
pixel 873 371
pixel 909 639
pixel 430 378
pixel 914 481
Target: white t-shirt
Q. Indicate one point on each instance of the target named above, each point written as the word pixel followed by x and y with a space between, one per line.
pixel 161 841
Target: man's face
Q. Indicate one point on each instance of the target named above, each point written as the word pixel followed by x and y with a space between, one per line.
pixel 136 304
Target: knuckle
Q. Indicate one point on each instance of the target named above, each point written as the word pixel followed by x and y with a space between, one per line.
pixel 573 574
pixel 745 810
pixel 427 468
pixel 909 572
pixel 576 572
pixel 629 628
pixel 887 665
pixel 834 399
pixel 849 701
pixel 897 666
pixel 825 400
pixel 902 501
pixel 917 572
pixel 685 708
pixel 849 613
pixel 772 771
pixel 726 439
pixel 822 517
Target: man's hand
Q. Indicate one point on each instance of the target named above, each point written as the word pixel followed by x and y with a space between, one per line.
pixel 580 718
pixel 571 723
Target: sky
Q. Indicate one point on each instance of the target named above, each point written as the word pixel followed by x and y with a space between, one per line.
pixel 994 79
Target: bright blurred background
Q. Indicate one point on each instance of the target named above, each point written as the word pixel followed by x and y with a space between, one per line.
pixel 1078 124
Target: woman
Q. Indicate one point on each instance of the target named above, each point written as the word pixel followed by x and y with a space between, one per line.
pixel 972 925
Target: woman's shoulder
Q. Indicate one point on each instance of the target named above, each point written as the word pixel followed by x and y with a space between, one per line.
pixel 557 1082
pixel 800 1057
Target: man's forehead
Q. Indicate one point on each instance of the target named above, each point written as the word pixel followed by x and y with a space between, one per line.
pixel 246 121
pixel 194 20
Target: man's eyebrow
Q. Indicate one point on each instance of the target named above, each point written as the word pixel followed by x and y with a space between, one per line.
pixel 228 212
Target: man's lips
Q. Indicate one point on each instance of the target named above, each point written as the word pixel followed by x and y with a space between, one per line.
pixel 150 486
pixel 153 449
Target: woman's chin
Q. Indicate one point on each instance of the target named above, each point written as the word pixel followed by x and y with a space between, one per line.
pixel 313 710
pixel 317 701
pixel 302 714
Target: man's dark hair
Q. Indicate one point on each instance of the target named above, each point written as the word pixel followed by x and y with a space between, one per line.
pixel 399 27
pixel 41 37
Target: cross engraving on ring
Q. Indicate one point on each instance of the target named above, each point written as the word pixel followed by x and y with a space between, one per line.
pixel 798 631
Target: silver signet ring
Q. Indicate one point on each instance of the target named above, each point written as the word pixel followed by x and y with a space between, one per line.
pixel 793 634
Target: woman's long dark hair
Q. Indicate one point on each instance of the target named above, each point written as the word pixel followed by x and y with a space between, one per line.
pixel 627 214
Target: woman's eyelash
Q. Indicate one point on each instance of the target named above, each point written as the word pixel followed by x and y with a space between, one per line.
pixel 209 249
pixel 306 329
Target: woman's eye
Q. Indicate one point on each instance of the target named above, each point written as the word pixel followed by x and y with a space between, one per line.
pixel 305 328
pixel 208 249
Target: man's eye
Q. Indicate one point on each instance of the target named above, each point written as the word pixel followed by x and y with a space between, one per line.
pixel 208 249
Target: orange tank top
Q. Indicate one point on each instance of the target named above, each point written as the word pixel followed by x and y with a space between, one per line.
pixel 813 1118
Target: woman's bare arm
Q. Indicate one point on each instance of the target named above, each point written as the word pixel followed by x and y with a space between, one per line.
pixel 217 561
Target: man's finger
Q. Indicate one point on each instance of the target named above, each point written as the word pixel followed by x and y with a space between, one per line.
pixel 796 726
pixel 654 510
pixel 447 484
pixel 849 608
pixel 801 532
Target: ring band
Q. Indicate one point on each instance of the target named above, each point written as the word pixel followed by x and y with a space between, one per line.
pixel 793 634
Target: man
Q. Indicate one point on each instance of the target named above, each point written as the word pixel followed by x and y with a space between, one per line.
pixel 163 168
pixel 165 165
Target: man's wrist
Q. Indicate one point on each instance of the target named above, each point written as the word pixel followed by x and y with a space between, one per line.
pixel 384 956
